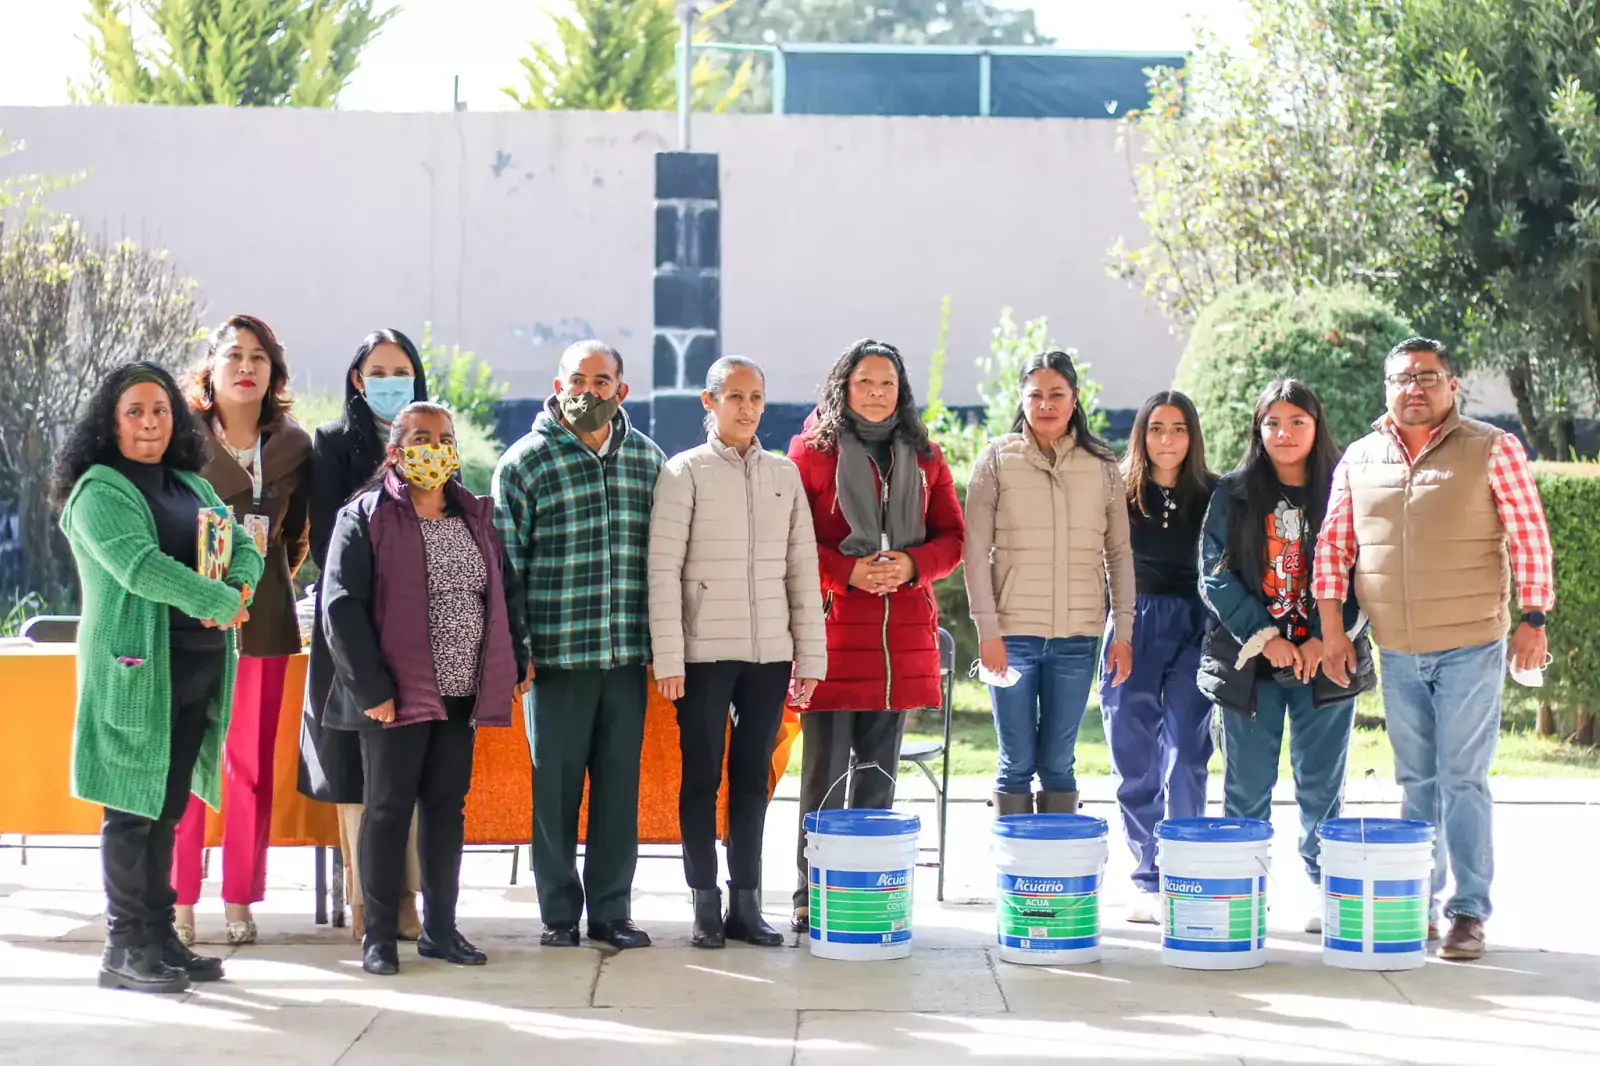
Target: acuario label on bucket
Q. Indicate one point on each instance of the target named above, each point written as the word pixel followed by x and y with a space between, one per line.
pixel 1049 913
pixel 861 907
pixel 1214 913
pixel 1399 916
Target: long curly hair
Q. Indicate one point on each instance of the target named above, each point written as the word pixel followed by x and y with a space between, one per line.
pixel 276 400
pixel 830 419
pixel 93 438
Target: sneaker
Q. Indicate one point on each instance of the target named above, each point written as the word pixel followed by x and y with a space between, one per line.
pixel 1146 910
pixel 1314 920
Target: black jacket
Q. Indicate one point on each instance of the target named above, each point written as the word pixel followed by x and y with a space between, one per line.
pixel 1238 611
pixel 344 456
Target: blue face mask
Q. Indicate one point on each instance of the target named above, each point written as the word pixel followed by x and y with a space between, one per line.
pixel 388 396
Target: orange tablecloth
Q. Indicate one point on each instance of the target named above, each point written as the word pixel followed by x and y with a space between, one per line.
pixel 38 690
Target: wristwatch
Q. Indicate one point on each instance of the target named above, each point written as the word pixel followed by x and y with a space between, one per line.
pixel 1534 619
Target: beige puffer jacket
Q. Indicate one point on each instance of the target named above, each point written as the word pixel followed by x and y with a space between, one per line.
pixel 733 563
pixel 1046 535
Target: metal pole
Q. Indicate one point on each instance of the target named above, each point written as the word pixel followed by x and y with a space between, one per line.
pixel 780 81
pixel 685 72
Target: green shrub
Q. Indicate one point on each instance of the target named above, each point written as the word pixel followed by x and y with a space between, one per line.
pixel 461 381
pixel 1571 495
pixel 1012 346
pixel 1333 339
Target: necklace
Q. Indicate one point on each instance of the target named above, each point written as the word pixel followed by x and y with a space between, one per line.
pixel 1168 505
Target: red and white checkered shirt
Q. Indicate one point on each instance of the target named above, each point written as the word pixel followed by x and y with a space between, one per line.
pixel 1516 497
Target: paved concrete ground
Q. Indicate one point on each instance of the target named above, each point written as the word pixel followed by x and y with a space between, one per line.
pixel 301 997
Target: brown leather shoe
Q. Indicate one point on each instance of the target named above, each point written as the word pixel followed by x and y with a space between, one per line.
pixel 1433 932
pixel 1464 941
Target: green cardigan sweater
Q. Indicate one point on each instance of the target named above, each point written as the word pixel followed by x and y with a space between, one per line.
pixel 123 734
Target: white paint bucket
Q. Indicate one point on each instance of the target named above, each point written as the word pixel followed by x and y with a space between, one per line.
pixel 862 864
pixel 1377 876
pixel 1048 869
pixel 1213 892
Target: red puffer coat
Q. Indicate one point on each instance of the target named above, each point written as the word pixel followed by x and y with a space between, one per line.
pixel 883 651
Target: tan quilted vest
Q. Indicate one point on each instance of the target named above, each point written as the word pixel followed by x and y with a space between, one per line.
pixel 1049 548
pixel 1432 570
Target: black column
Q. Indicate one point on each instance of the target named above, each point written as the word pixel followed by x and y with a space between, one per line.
pixel 688 294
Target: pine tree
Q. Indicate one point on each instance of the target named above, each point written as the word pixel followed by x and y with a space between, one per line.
pixel 620 55
pixel 238 53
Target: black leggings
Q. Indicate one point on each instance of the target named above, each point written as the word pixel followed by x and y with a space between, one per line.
pixel 755 693
pixel 135 851
pixel 425 767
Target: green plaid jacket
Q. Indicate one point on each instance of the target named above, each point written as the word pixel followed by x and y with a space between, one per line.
pixel 577 529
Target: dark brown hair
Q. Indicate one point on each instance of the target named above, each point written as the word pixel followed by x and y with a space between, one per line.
pixel 276 402
pixel 1195 480
pixel 1078 424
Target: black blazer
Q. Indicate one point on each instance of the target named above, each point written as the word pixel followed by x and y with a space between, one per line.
pixel 344 458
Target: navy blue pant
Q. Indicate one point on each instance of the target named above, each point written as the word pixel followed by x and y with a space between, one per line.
pixel 1158 726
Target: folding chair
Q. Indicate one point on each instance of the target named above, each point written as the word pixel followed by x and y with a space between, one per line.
pixel 51 629
pixel 923 752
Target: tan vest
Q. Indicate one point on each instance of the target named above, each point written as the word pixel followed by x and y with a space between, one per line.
pixel 1049 550
pixel 1432 569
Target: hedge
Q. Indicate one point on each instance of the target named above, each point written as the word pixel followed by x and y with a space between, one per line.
pixel 1334 340
pixel 1571 495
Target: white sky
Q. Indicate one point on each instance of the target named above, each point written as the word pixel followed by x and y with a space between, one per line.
pixel 412 64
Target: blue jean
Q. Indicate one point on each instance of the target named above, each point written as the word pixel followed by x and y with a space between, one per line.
pixel 1158 726
pixel 1319 746
pixel 1444 719
pixel 1037 719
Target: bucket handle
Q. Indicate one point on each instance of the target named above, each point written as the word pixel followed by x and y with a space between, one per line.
pixel 854 769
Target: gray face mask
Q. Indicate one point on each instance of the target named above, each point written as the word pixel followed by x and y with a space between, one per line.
pixel 586 412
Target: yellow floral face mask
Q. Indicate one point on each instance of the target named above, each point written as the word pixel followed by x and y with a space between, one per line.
pixel 427 466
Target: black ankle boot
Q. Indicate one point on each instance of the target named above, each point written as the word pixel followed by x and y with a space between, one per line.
pixel 177 955
pixel 744 921
pixel 708 919
pixel 138 968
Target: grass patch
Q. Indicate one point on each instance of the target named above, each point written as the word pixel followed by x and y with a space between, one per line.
pixel 1520 753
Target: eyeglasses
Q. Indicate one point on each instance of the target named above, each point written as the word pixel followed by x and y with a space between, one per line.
pixel 1426 378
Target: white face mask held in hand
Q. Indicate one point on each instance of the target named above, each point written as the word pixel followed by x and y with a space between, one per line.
pixel 1005 680
pixel 1533 678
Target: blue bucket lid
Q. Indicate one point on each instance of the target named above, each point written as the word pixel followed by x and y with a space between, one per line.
pixel 1214 830
pixel 1376 830
pixel 1050 827
pixel 862 822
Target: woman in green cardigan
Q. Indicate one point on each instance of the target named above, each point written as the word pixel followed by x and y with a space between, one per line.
pixel 156 654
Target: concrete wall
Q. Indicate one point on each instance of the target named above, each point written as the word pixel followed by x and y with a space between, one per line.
pixel 519 232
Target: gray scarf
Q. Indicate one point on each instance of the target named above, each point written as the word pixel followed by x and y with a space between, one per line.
pixel 864 506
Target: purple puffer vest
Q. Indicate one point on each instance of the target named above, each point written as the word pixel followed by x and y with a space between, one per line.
pixel 400 608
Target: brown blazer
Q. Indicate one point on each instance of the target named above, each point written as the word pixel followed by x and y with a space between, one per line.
pixel 285 499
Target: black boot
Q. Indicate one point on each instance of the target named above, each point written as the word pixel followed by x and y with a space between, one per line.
pixel 177 955
pixel 708 919
pixel 380 957
pixel 139 968
pixel 744 921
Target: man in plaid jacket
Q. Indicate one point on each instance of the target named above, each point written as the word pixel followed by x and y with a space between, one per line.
pixel 572 500
pixel 1435 513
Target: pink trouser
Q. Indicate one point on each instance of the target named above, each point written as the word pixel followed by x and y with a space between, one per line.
pixel 246 790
